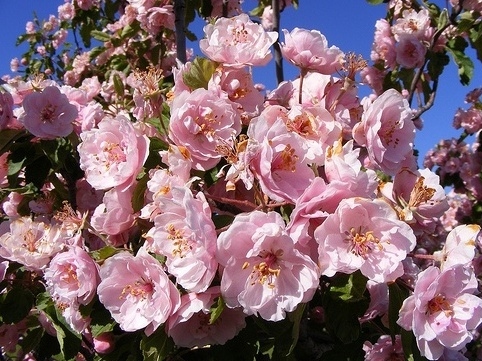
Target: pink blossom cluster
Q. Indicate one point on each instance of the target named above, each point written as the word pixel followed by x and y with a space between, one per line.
pixel 216 196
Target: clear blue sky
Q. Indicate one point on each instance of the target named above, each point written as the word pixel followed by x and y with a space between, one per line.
pixel 348 24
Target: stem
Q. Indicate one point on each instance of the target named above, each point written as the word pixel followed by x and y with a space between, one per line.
pixel 179 11
pixel 278 58
pixel 225 8
pixel 234 202
pixel 302 77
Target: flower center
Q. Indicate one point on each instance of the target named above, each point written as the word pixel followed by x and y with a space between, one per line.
pixel 361 244
pixel 286 160
pixel 439 303
pixel 239 35
pixel 47 113
pixel 420 193
pixel 140 288
pixel 267 270
pixel 302 124
pixel 180 243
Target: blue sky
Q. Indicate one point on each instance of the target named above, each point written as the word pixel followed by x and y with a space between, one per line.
pixel 348 24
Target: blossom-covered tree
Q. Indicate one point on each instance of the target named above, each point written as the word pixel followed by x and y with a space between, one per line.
pixel 161 206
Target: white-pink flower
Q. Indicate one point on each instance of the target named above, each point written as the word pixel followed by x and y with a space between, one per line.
pixel 48 114
pixel 384 349
pixel 237 42
pixel 418 198
pixel 308 50
pixel 184 232
pixel 459 247
pixel 190 326
pixel 364 234
pixel 387 131
pixel 30 243
pixel 263 273
pixel 72 277
pixel 112 154
pixel 443 311
pixel 202 121
pixel 136 291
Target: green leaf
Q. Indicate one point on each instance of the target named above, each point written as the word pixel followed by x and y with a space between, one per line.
pixel 396 296
pixel 349 288
pixel 157 346
pixel 457 47
pixel 69 341
pixel 118 85
pixel 443 19
pixel 129 31
pixel 103 253
pixel 139 191
pixel 16 304
pixel 410 349
pixel 216 309
pixel 296 317
pixel 8 137
pixel 100 35
pixel 344 302
pixel 31 339
pixel 200 73
pixel 374 2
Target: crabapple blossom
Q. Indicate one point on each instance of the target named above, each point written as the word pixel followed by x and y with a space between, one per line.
pixel 459 247
pixel 202 121
pixel 3 269
pixel 443 311
pixel 308 50
pixel 418 198
pixel 278 156
pixel 112 154
pixel 30 242
pixel 237 42
pixel 366 235
pixel 6 110
pixel 387 131
pixel 262 271
pixel 48 114
pixel 136 291
pixel 72 277
pixel 384 349
pixel 115 214
pixel 410 52
pixel 190 326
pixel 185 234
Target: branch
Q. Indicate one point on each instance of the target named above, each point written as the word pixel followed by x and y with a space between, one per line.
pixel 278 58
pixel 179 11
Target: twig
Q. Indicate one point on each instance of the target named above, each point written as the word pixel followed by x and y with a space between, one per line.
pixel 278 58
pixel 179 11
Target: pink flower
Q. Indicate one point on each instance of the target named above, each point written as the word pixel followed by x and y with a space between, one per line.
pixel 442 312
pixel 202 121
pixel 3 269
pixel 115 214
pixel 410 52
pixel 418 198
pixel 459 247
pixel 137 292
pixel 263 273
pixel 48 114
pixel 366 235
pixel 185 234
pixel 384 349
pixel 7 118
pixel 387 131
pixel 237 42
pixel 30 243
pixel 72 277
pixel 113 153
pixel 190 326
pixel 412 22
pixel 278 157
pixel 309 51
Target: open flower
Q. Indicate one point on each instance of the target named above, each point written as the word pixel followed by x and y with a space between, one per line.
pixel 48 114
pixel 137 291
pixel 308 50
pixel 387 131
pixel 190 326
pixel 237 42
pixel 113 153
pixel 263 273
pixel 443 311
pixel 366 235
